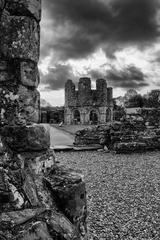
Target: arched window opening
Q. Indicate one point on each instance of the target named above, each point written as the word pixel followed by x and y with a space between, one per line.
pixel 93 117
pixel 77 117
pixel 108 115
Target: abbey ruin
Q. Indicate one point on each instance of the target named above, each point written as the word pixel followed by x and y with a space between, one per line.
pixel 88 106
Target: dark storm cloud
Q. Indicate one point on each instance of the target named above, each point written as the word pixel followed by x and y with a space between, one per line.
pixel 56 77
pixel 82 26
pixel 130 77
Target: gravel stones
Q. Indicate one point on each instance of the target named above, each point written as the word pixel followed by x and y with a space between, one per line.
pixel 122 193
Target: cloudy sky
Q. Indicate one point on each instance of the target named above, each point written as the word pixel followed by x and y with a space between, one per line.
pixel 118 40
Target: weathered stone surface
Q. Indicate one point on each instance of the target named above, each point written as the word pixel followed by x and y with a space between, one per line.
pixel 2 2
pixel 69 192
pixel 31 8
pixel 4 75
pixel 93 135
pixel 35 165
pixel 15 71
pixel 38 230
pixel 18 104
pixel 10 198
pixel 128 147
pixel 123 137
pixel 26 138
pixel 28 209
pixel 63 228
pixel 3 65
pixel 30 190
pixel 5 193
pixel 29 223
pixel 88 106
pixel 29 74
pixel 16 34
pixel 9 71
pixel 2 148
pixel 29 104
pixel 19 217
pixel 39 162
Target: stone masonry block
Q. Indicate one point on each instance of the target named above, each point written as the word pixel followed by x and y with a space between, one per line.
pixel 30 190
pixel 37 230
pixel 5 194
pixel 38 162
pixel 18 104
pixel 19 217
pixel 31 8
pixel 29 74
pixel 30 224
pixel 69 190
pixel 4 71
pixel 16 71
pixel 16 35
pixel 26 138
pixel 29 102
pixel 9 71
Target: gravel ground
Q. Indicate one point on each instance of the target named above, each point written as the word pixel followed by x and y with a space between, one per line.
pixel 123 193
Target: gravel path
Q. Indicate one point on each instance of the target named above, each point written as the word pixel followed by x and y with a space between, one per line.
pixel 123 193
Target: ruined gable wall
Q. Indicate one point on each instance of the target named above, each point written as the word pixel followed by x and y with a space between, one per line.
pixel 101 87
pixel 85 96
pixel 70 94
pixel 84 91
pixel 86 99
pixel 110 96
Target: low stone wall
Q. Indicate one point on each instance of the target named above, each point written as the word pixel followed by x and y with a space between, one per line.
pixel 121 137
pixel 135 137
pixel 92 135
pixel 151 116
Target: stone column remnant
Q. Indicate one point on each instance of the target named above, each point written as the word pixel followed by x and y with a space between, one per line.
pixel 38 199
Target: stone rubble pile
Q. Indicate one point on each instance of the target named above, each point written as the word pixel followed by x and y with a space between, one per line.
pixel 129 135
pixel 134 137
pixel 91 135
pixel 38 200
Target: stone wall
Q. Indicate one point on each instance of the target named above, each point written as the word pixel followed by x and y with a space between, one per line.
pixel 38 200
pixel 122 137
pixel 85 96
pixel 52 115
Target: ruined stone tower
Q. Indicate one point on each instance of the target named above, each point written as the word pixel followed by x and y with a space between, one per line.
pixel 38 199
pixel 87 106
